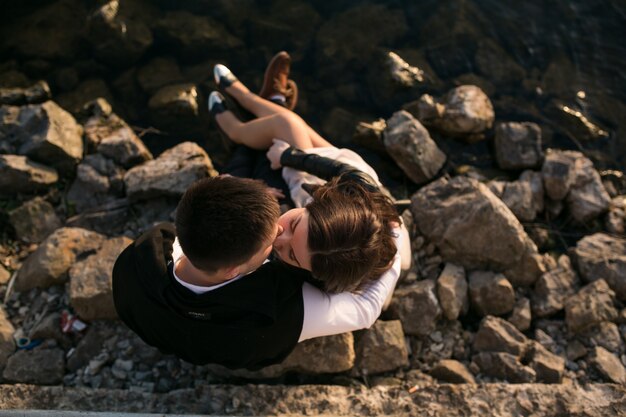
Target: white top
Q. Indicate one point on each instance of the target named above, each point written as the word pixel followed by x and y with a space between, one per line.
pixel 327 314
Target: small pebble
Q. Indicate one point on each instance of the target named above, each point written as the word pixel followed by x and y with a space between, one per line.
pixel 436 337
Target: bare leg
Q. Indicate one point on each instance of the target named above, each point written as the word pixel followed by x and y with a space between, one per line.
pixel 258 133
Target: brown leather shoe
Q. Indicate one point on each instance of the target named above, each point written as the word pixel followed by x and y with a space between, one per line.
pixel 276 80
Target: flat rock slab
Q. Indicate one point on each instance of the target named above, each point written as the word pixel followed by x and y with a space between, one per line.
pixel 498 400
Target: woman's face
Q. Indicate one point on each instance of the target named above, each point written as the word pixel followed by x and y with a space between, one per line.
pixel 291 244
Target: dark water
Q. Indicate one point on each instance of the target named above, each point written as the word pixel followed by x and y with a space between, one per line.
pixel 557 63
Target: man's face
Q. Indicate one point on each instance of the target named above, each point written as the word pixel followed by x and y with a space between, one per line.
pixel 291 243
pixel 263 253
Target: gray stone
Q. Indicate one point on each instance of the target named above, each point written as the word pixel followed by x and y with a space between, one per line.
pixel 410 145
pixel 99 182
pixel 504 366
pixel 403 73
pixel 381 348
pixel 548 367
pixel 49 264
pixel 157 73
pixel 518 145
pixel 452 371
pixel 521 316
pixel 575 350
pixel 34 220
pixel 90 345
pixel 605 334
pixel 90 290
pixel 170 174
pixel 471 227
pixel 50 328
pixel 417 307
pixel 490 293
pixel 535 180
pixel 518 197
pixel 608 365
pixel 498 335
pixel 45 133
pixel 602 256
pixel 16 96
pixel 452 291
pixel 615 221
pixel 38 366
pixel 553 288
pixel 591 305
pixel 7 344
pixel 18 174
pixel 174 106
pixel 467 110
pixel 558 172
pixel 587 198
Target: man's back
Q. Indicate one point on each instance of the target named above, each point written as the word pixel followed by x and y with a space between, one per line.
pixel 250 323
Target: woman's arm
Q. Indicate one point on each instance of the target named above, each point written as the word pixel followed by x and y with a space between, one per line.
pixel 327 314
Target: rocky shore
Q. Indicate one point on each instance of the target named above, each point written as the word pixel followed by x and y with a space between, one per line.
pixel 519 270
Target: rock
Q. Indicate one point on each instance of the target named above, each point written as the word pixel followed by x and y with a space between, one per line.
pixel 90 345
pixel 403 73
pixel 86 92
pixel 170 174
pixel 504 366
pixel 49 264
pixel 490 293
pixel 381 348
pixel 7 344
pixel 452 371
pixel 110 218
pixel 45 133
pixel 548 367
pixel 426 109
pixel 591 305
pixel 558 173
pixel 5 275
pixel 190 35
pixel 529 268
pixel 50 328
pixel 410 145
pixel 370 135
pixel 471 227
pixel 90 289
pixel 575 350
pixel 553 288
pixel 321 355
pixel 175 106
pixel 113 138
pixel 535 180
pixel 18 174
pixel 518 197
pixel 518 145
pixel 452 291
pixel 608 365
pixel 521 316
pixel 15 96
pixel 34 220
pixel 615 221
pixel 587 198
pixel 99 182
pixel 605 334
pixel 117 40
pixel 417 307
pixel 467 110
pixel 602 256
pixel 493 62
pixel 157 73
pixel 498 335
pixel 38 366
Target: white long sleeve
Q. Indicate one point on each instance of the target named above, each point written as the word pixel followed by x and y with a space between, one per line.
pixel 326 314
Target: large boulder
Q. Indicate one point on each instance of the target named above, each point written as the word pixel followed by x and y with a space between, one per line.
pixel 38 366
pixel 602 256
pixel 417 307
pixel 518 145
pixel 410 145
pixel 470 226
pixel 591 305
pixel 553 288
pixel 490 293
pixel 381 348
pixel 34 220
pixel 45 133
pixel 452 291
pixel 49 264
pixel 170 174
pixel 18 174
pixel 90 290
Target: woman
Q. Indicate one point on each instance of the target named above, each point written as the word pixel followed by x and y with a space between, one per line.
pixel 344 233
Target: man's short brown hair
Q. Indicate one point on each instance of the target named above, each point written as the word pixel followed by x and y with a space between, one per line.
pixel 223 221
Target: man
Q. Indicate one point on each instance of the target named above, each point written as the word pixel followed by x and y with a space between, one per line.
pixel 204 292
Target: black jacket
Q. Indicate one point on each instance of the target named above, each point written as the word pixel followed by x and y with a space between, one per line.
pixel 251 323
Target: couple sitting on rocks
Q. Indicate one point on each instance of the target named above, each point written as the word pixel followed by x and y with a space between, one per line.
pixel 205 290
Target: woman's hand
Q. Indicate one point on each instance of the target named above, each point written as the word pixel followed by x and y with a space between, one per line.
pixel 275 152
